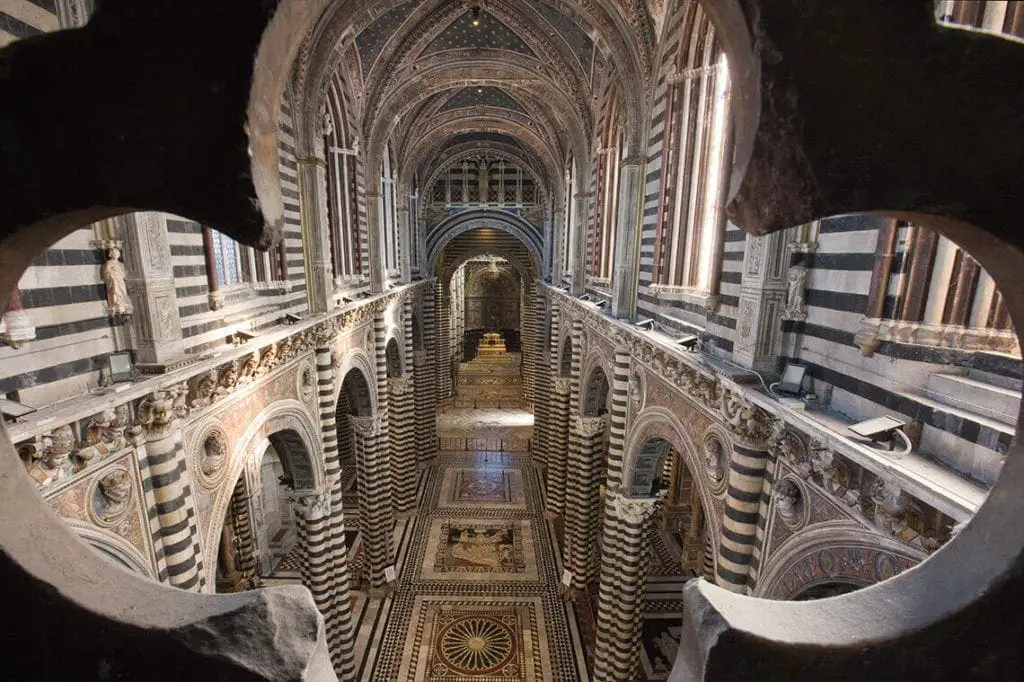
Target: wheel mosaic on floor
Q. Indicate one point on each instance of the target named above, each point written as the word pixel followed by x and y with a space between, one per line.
pixel 476 598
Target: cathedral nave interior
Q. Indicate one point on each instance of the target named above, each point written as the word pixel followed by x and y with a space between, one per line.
pixel 533 340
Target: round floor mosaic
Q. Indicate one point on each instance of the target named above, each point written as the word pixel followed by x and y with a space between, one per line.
pixel 476 645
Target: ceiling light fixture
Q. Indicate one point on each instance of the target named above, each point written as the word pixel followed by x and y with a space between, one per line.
pixel 474 12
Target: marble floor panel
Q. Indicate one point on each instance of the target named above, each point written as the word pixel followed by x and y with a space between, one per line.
pixel 476 599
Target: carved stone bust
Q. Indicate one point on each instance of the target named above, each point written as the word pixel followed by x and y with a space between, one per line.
pixel 214 454
pixel 713 459
pixel 116 493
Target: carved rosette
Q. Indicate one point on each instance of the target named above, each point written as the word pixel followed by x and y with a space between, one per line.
pixel 589 427
pixel 312 505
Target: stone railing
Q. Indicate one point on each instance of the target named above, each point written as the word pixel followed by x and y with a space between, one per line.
pixel 68 440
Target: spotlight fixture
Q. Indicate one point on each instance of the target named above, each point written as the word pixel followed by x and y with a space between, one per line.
pixel 292 318
pixel 474 14
pixel 645 323
pixel 346 299
pixel 689 342
pixel 585 297
pixel 602 303
pixel 884 430
pixel 120 366
pixel 241 336
pixel 792 379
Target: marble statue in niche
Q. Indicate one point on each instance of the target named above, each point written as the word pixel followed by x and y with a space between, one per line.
pixel 214 454
pixel 796 305
pixel 116 493
pixel 113 272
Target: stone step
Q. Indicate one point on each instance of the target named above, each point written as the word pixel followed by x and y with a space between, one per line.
pixel 961 413
pixel 975 396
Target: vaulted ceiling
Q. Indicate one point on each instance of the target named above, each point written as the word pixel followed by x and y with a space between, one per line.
pixel 434 79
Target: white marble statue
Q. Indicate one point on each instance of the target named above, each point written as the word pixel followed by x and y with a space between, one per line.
pixel 796 306
pixel 118 302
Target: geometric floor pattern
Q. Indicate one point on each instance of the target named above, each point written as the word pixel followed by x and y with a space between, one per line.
pixel 476 597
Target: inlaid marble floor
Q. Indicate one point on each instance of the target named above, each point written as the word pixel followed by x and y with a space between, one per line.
pixel 477 592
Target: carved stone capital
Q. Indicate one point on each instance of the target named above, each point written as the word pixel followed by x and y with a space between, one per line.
pixel 399 386
pixel 588 427
pixel 367 427
pixel 312 505
pixel 562 385
pixel 634 510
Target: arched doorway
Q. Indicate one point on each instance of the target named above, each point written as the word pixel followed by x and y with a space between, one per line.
pixel 369 490
pixel 258 541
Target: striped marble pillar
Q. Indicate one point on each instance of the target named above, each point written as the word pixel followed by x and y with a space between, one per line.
pixel 558 445
pixel 163 473
pixel 443 343
pixel 403 444
pixel 767 487
pixel 528 343
pixel 312 525
pixel 742 505
pixel 625 562
pixel 617 419
pixel 426 390
pixel 338 617
pixel 542 392
pixel 243 533
pixel 584 476
pixel 376 515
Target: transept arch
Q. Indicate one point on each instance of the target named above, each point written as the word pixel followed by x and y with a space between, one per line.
pixel 448 230
pixel 660 422
pixel 289 428
pixel 829 553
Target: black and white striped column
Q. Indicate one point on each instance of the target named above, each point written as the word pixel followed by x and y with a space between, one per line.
pixel 243 533
pixel 312 525
pixel 542 393
pixel 426 382
pixel 558 444
pixel 163 473
pixel 404 469
pixel 585 473
pixel 376 515
pixel 742 507
pixel 338 617
pixel 529 343
pixel 767 487
pixel 617 420
pixel 442 305
pixel 625 562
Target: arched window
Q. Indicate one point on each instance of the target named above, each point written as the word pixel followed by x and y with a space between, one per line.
pixel 569 233
pixel 388 204
pixel 992 16
pixel 690 221
pixel 609 161
pixel 341 150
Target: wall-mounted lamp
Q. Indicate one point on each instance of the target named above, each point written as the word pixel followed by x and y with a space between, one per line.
pixel 474 14
pixel 645 323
